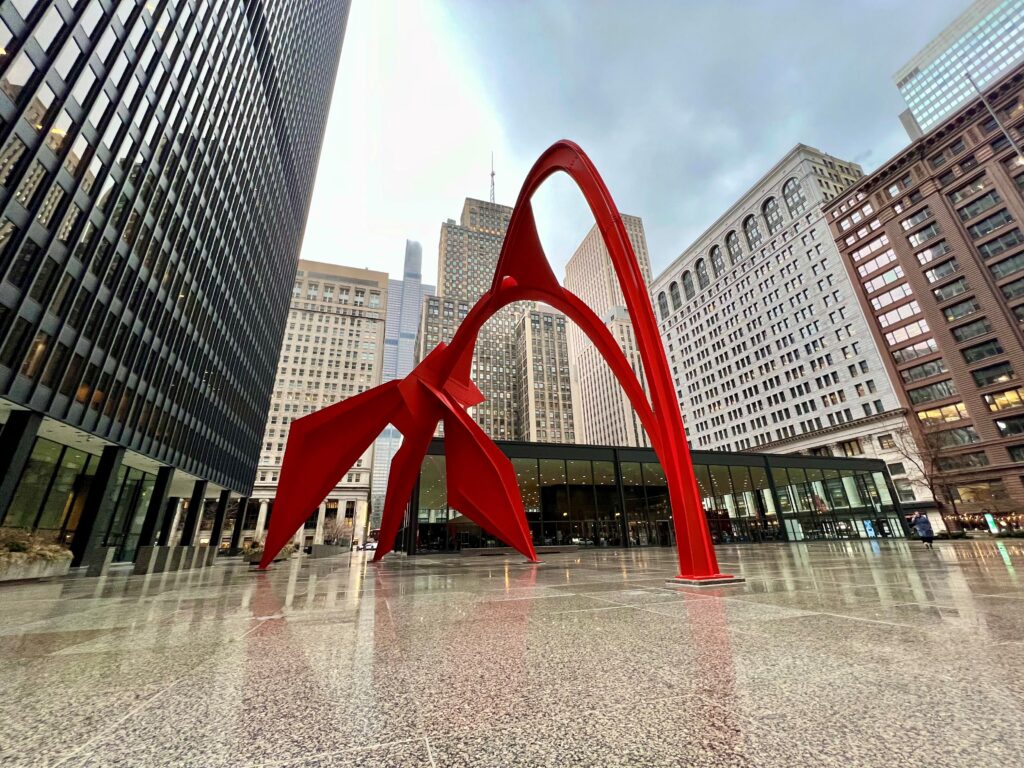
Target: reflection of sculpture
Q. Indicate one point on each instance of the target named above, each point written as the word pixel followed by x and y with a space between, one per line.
pixel 481 482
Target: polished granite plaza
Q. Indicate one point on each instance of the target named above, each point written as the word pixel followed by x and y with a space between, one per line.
pixel 831 654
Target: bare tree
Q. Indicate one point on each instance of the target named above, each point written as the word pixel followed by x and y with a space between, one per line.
pixel 923 455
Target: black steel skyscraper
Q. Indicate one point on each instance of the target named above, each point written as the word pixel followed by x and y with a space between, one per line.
pixel 156 166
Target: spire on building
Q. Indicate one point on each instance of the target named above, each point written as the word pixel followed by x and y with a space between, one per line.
pixel 492 177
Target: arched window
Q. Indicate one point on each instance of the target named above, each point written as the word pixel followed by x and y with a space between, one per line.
pixel 732 242
pixel 772 215
pixel 702 274
pixel 688 285
pixel 794 197
pixel 717 262
pixel 752 231
pixel 674 290
pixel 663 303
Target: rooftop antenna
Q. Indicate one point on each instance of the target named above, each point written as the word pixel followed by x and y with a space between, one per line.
pixel 492 177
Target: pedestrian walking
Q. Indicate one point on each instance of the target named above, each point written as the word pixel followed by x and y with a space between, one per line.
pixel 920 523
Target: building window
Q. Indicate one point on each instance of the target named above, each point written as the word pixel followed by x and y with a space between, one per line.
pixel 961 310
pixel 982 351
pixel 886 442
pixel 951 290
pixel 1008 398
pixel 677 301
pixel 732 243
pixel 979 206
pixel 924 370
pixel 972 330
pixel 947 413
pixel 663 303
pixel 1010 427
pixel 948 438
pixel 904 489
pixel 990 224
pixel 702 274
pixel 993 374
pixel 936 391
pixel 688 288
pixel 942 271
pixel 793 194
pixel 1008 266
pixel 851 448
pixel 924 235
pixel 772 215
pixel 752 232
pixel 717 262
pixel 962 461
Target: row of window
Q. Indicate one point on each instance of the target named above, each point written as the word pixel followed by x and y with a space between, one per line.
pixel 796 203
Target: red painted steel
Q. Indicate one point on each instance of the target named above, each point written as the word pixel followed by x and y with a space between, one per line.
pixel 323 446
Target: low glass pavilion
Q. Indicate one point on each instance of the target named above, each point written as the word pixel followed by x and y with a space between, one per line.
pixel 600 496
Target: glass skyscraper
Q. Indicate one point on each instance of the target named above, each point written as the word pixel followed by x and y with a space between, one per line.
pixel 985 41
pixel 156 166
pixel 405 298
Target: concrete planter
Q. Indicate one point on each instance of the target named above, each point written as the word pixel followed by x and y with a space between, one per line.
pixel 16 568
pixel 254 559
pixel 330 550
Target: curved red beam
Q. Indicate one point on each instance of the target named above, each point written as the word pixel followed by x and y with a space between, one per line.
pixel 481 483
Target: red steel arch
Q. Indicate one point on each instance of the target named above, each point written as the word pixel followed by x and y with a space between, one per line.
pixel 323 446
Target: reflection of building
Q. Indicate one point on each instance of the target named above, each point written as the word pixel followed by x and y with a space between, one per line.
pixel 604 496
pixel 984 42
pixel 768 348
pixel 937 262
pixel 332 349
pixel 405 299
pixel 157 161
pixel 605 414
pixel 544 397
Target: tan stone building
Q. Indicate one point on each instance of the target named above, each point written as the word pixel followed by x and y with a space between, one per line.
pixel 332 349
pixel 606 416
pixel 768 347
pixel 467 257
pixel 545 402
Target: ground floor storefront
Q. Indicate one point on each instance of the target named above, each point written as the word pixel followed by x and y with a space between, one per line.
pixel 597 496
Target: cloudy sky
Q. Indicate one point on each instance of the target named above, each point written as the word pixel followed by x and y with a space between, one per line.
pixel 682 105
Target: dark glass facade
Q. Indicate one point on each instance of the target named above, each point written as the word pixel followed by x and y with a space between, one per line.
pixel 602 496
pixel 156 165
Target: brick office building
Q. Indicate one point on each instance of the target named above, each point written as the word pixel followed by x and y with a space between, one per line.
pixel 934 243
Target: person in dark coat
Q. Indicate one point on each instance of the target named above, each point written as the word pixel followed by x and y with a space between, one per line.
pixel 920 523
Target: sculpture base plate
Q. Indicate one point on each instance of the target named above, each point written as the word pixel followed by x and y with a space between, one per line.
pixel 705 581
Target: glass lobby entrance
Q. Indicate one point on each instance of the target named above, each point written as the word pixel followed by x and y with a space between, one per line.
pixel 595 496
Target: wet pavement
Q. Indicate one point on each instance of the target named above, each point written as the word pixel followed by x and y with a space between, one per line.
pixel 831 654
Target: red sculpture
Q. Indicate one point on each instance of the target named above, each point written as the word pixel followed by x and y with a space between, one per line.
pixel 323 446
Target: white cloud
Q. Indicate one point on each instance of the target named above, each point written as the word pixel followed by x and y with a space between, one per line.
pixel 408 138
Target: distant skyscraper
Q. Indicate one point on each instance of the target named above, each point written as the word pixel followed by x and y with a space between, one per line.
pixel 405 300
pixel 333 348
pixel 605 414
pixel 769 348
pixel 545 404
pixel 467 257
pixel 156 162
pixel 984 42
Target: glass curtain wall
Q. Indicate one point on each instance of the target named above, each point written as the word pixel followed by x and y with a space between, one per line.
pixel 593 503
pixel 52 491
